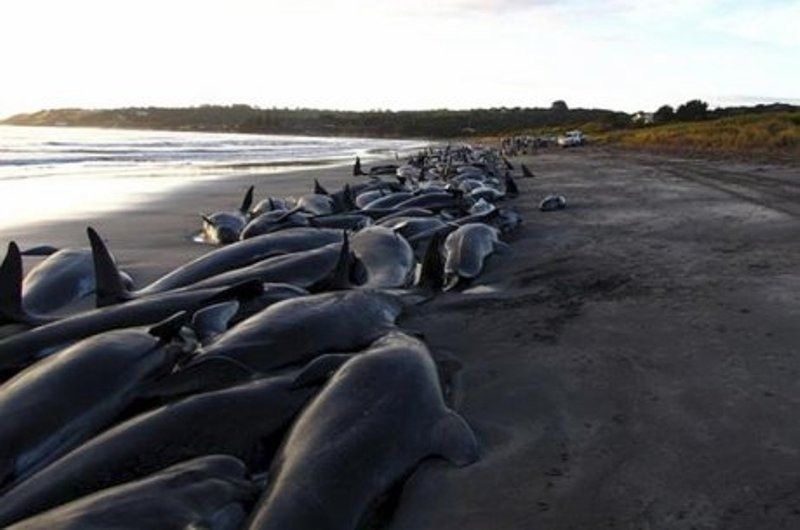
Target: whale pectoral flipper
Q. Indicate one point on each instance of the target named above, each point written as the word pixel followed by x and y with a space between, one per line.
pixel 213 320
pixel 320 369
pixel 454 440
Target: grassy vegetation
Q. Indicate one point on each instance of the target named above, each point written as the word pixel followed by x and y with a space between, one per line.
pixel 767 133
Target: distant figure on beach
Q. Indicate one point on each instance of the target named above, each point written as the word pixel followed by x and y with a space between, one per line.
pixel 357 171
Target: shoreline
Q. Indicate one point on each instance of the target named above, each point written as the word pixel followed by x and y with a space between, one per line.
pixel 153 236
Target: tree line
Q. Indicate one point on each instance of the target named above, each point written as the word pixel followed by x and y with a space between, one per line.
pixel 440 123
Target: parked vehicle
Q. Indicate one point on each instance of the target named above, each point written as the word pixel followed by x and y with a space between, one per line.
pixel 572 139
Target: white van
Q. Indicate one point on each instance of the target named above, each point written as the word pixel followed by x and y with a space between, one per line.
pixel 572 139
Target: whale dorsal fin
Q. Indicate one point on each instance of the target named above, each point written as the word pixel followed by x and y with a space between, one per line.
pixel 431 274
pixel 527 173
pixel 320 369
pixel 247 202
pixel 511 187
pixel 11 309
pixel 319 189
pixel 454 440
pixel 170 327
pixel 339 278
pixel 205 374
pixel 213 320
pixel 109 286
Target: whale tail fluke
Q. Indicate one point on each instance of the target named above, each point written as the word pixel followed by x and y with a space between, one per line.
pixel 454 440
pixel 109 286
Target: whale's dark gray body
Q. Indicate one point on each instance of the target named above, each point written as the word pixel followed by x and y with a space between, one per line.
pixel 351 221
pixel 388 201
pixel 314 269
pixel 63 278
pixel 299 329
pixel 242 254
pixel 315 203
pixel 58 403
pixel 274 221
pixel 466 250
pixel 432 201
pixel 375 420
pixel 245 421
pixel 211 492
pixel 409 226
pixel 20 350
pixel 222 228
pixel 386 257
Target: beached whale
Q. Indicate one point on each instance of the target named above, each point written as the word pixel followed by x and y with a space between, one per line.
pixel 343 221
pixel 246 421
pixel 319 269
pixel 434 201
pixel 18 351
pixel 409 227
pixel 299 329
pixel 221 228
pixel 376 419
pixel 274 221
pixel 385 257
pixel 55 405
pixel 270 204
pixel 316 204
pixel 388 201
pixel 466 250
pixel 364 198
pixel 62 279
pixel 210 492
pixel 236 255
pixel 552 203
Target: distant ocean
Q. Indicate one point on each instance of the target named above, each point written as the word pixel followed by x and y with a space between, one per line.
pixel 51 172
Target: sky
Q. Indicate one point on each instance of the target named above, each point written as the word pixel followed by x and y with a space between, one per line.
pixel 391 54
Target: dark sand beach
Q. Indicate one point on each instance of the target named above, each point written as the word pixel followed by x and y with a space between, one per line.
pixel 631 363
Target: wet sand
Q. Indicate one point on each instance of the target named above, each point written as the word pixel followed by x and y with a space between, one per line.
pixel 632 363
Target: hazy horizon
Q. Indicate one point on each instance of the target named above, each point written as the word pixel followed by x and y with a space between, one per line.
pixel 357 55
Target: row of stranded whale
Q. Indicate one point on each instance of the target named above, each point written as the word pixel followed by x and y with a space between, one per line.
pixel 264 385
